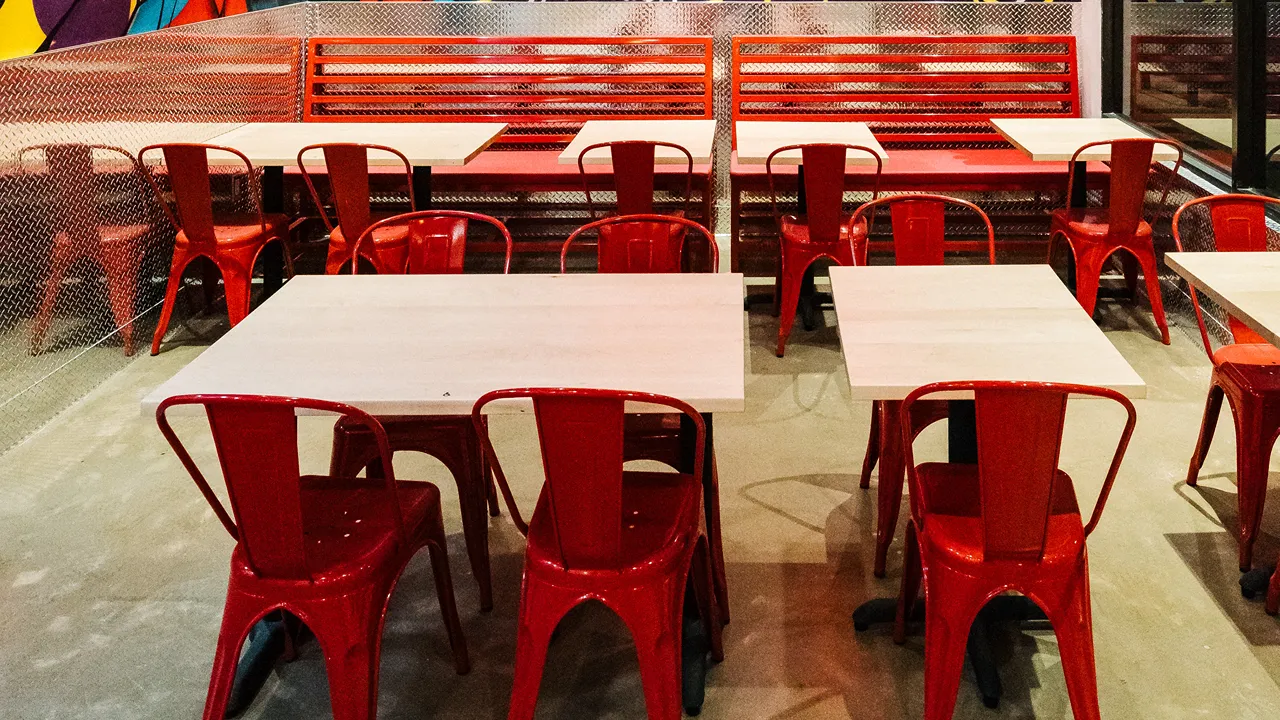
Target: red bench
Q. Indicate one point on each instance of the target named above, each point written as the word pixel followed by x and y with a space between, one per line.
pixel 544 87
pixel 927 99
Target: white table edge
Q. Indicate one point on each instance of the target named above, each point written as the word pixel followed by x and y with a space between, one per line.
pixel 1172 260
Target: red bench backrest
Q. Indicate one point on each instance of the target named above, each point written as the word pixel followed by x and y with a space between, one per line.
pixel 545 87
pixel 911 90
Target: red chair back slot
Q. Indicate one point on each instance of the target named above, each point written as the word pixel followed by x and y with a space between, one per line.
pixel 256 438
pixel 1239 224
pixel 1019 437
pixel 581 440
pixel 641 244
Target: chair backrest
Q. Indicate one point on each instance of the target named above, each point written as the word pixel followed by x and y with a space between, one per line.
pixel 633 174
pixel 1130 176
pixel 256 438
pixel 544 87
pixel 913 90
pixel 347 165
pixel 73 168
pixel 187 165
pixel 437 240
pixel 824 173
pixel 919 226
pixel 1019 428
pixel 1239 224
pixel 581 436
pixel 644 243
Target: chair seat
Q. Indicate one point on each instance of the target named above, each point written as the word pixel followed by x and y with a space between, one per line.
pixel 1091 223
pixel 954 525
pixel 655 505
pixel 795 228
pixel 244 229
pixel 1254 367
pixel 347 528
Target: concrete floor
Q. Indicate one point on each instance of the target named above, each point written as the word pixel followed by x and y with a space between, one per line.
pixel 113 569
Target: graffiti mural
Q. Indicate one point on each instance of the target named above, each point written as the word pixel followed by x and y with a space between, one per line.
pixel 28 26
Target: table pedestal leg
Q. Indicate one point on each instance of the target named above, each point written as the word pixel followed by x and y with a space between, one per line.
pixel 422 187
pixel 695 642
pixel 273 253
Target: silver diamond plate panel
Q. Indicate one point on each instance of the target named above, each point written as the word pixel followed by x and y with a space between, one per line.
pixel 98 218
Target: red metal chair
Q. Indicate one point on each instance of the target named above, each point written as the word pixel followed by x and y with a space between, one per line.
pixel 347 165
pixel 435 244
pixel 633 175
pixel 1008 523
pixel 823 231
pixel 634 541
pixel 919 238
pixel 642 243
pixel 327 550
pixel 231 243
pixel 81 234
pixel 1094 234
pixel 650 244
pixel 1247 371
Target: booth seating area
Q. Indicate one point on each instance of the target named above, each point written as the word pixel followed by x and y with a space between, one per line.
pixel 544 88
pixel 933 117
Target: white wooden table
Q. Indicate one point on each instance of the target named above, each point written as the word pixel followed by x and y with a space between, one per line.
pixel 433 344
pixel 1219 129
pixel 426 144
pixel 757 138
pixel 1057 139
pixel 696 136
pixel 904 327
pixel 1245 284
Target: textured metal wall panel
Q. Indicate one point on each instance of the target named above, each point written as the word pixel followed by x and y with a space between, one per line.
pixel 189 84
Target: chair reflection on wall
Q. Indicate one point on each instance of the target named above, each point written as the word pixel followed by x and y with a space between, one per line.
pixel 82 234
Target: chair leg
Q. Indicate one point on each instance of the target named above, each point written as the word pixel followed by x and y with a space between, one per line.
pixel 873 447
pixel 1212 407
pixel 889 491
pixel 1253 454
pixel 237 281
pixel 951 604
pixel 912 574
pixel 1073 625
pixel 350 631
pixel 176 268
pixel 1152 277
pixel 444 591
pixel 720 582
pixel 59 262
pixel 238 616
pixel 542 605
pixel 790 278
pixel 121 270
pixel 473 501
pixel 700 576
pixel 1088 276
pixel 654 618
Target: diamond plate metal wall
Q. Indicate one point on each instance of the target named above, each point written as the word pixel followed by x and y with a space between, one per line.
pixel 84 250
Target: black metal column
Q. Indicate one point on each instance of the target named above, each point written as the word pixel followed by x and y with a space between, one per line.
pixel 1113 67
pixel 1249 127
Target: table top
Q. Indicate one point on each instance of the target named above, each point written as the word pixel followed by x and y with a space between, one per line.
pixel 904 327
pixel 696 136
pixel 1245 284
pixel 1219 129
pixel 758 138
pixel 424 143
pixel 1057 139
pixel 433 344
